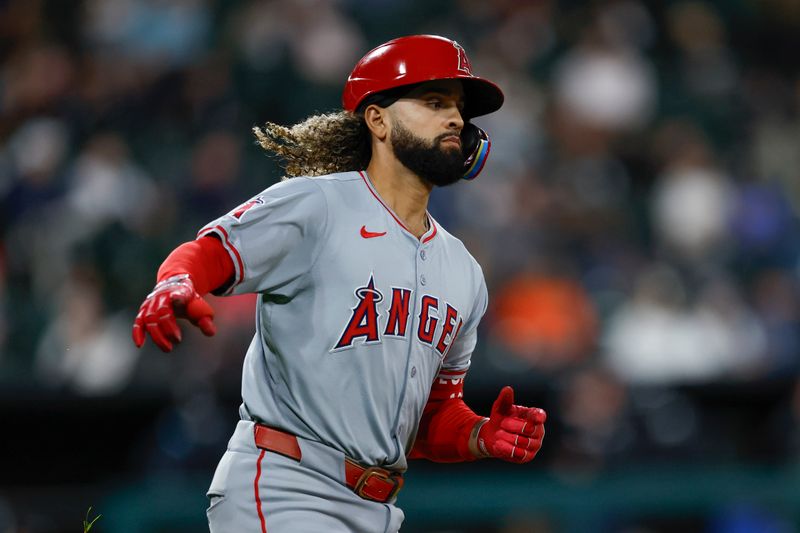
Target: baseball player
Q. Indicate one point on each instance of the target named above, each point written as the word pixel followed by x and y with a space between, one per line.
pixel 368 308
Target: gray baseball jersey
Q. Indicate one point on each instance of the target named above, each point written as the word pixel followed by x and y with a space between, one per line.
pixel 356 318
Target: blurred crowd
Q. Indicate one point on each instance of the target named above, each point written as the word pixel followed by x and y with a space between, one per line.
pixel 637 221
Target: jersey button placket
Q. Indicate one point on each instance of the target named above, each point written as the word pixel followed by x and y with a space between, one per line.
pixel 423 255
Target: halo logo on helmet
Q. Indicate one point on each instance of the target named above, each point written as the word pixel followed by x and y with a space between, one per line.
pixel 463 62
pixel 415 59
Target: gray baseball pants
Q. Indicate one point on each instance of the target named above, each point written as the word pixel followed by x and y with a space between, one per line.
pixel 259 491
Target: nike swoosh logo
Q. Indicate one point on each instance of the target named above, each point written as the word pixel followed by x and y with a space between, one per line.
pixel 371 234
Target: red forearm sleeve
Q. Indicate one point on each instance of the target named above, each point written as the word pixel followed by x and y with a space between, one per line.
pixel 446 424
pixel 205 260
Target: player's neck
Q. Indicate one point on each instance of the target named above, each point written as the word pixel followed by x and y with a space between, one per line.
pixel 403 191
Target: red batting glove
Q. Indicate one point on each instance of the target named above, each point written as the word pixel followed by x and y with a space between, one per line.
pixel 512 433
pixel 171 298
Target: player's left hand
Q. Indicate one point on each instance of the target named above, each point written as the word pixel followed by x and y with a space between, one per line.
pixel 512 433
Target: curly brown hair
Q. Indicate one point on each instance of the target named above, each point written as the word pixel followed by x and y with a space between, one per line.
pixel 321 144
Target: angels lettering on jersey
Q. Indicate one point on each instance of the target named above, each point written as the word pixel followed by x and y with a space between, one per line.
pixel 363 326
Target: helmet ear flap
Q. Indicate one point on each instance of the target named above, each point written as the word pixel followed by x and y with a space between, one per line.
pixel 475 147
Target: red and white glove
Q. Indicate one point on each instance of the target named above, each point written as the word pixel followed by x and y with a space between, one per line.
pixel 174 297
pixel 512 432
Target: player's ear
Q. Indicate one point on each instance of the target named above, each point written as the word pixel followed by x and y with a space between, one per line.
pixel 376 118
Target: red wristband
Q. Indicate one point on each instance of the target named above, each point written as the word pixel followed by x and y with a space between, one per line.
pixel 447 424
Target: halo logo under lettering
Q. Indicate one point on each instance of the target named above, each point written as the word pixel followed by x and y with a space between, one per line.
pixel 364 320
pixel 463 62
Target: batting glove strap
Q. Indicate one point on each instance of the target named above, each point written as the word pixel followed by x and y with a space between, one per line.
pixel 178 279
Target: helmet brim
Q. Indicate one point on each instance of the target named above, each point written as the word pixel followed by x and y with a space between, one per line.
pixel 481 97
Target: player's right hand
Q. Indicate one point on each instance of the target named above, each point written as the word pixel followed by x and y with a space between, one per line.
pixel 172 298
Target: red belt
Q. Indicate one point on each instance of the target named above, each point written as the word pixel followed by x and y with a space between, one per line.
pixel 369 482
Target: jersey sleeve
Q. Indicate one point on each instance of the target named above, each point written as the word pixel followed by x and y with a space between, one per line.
pixel 457 359
pixel 274 238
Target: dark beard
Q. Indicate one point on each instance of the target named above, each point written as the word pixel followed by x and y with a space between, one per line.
pixel 429 161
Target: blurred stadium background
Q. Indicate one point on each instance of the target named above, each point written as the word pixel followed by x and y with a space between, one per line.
pixel 637 224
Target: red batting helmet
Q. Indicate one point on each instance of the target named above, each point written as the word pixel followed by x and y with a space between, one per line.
pixel 416 59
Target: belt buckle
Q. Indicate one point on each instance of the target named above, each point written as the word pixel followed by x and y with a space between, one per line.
pixel 375 472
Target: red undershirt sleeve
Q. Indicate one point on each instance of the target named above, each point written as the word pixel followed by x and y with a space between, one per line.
pixel 205 260
pixel 444 431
